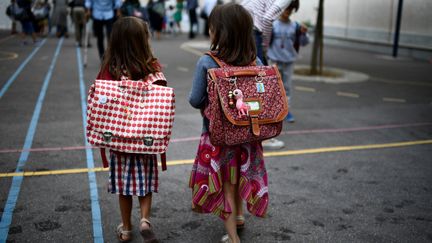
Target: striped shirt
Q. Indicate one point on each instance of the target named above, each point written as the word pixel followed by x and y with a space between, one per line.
pixel 264 12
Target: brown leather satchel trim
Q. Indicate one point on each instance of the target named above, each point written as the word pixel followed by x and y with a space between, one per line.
pixel 279 118
pixel 215 79
pixel 255 125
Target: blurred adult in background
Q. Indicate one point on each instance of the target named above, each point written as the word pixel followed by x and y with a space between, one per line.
pixel 79 19
pixel 26 19
pixel 103 14
pixel 156 11
pixel 134 8
pixel 41 10
pixel 59 18
pixel 264 12
pixel 192 6
pixel 10 14
pixel 205 12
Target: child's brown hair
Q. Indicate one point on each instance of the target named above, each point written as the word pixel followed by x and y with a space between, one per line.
pixel 129 51
pixel 231 27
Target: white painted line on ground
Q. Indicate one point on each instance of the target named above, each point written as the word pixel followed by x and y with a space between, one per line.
pixel 400 82
pixel 187 48
pixel 183 69
pixel 305 89
pixel 348 94
pixel 396 100
pixel 8 55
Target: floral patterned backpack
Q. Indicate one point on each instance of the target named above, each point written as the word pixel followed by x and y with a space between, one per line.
pixel 246 103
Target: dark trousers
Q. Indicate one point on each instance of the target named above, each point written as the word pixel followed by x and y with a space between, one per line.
pixel 259 47
pixel 98 29
pixel 193 21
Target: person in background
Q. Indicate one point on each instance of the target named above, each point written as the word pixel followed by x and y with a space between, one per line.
pixel 26 20
pixel 264 12
pixel 103 14
pixel 79 19
pixel 156 10
pixel 134 8
pixel 60 15
pixel 287 37
pixel 170 19
pixel 10 14
pixel 205 12
pixel 178 15
pixel 192 6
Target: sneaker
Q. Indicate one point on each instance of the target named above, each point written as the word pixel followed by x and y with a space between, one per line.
pixel 273 143
pixel 289 118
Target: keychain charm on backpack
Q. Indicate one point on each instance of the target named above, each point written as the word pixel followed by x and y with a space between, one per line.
pixel 259 84
pixel 231 99
pixel 242 107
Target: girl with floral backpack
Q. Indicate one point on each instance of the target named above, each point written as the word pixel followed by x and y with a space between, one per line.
pixel 223 177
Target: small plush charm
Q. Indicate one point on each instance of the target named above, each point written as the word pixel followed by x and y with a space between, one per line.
pixel 242 107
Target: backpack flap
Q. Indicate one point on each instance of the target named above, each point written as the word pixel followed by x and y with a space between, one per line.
pixel 131 116
pixel 263 95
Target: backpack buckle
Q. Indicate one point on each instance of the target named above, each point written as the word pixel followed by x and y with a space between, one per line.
pixel 148 141
pixel 107 137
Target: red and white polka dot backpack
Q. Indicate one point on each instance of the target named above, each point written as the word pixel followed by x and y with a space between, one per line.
pixel 131 116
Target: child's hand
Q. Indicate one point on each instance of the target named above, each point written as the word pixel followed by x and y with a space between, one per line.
pixel 303 28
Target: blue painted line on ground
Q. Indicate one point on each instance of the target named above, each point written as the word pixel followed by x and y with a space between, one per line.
pixel 6 218
pixel 96 212
pixel 20 68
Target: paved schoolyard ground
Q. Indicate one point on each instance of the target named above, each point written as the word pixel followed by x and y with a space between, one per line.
pixel 356 166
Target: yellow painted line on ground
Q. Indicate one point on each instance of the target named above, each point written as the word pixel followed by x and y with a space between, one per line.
pixel 387 99
pixel 306 89
pixel 266 154
pixel 348 94
pixel 180 162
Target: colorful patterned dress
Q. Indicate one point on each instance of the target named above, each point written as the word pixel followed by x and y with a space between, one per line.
pixel 215 165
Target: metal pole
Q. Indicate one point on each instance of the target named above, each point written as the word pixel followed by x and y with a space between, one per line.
pixel 397 30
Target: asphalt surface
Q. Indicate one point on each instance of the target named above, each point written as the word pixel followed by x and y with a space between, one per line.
pixel 356 166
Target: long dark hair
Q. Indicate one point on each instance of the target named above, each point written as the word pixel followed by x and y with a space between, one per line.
pixel 232 34
pixel 129 51
pixel 294 5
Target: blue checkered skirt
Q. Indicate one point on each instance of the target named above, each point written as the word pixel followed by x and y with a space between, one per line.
pixel 132 174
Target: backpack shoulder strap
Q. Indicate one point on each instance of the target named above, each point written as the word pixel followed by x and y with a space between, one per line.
pixel 216 59
pixel 222 63
pixel 158 78
pixel 297 36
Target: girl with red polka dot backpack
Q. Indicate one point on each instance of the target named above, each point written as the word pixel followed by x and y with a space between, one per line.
pixel 131 112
